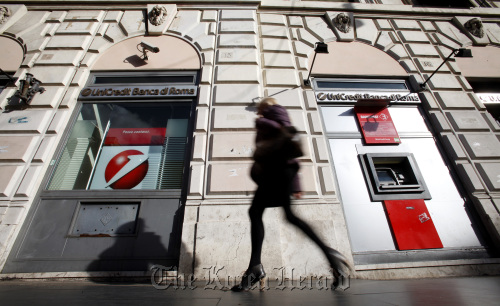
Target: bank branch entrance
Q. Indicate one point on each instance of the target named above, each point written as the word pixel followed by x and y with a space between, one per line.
pixel 113 198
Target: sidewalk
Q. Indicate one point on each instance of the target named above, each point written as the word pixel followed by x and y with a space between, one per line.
pixel 440 291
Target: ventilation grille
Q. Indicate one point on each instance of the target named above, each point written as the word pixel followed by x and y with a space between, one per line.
pixel 70 163
pixel 172 163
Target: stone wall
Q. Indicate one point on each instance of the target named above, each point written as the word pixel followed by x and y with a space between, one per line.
pixel 246 54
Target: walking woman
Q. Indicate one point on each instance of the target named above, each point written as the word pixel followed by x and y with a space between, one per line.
pixel 276 178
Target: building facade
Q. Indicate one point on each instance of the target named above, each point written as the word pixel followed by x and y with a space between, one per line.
pixel 136 153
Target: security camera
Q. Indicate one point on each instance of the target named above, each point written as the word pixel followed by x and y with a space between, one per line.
pixel 148 47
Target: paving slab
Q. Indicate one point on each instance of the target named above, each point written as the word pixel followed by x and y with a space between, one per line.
pixel 437 291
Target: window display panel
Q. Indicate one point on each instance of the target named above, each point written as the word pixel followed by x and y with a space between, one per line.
pixel 124 146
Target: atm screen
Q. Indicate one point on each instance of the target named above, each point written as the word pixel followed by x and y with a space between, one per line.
pixel 385 177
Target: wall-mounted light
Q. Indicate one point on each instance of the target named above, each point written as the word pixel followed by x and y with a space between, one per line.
pixel 461 52
pixel 28 88
pixel 25 93
pixel 319 47
pixel 147 47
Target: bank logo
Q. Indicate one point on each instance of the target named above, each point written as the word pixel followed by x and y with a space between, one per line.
pixel 126 169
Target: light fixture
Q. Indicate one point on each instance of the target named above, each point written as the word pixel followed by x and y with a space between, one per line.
pixel 26 92
pixel 319 47
pixel 28 88
pixel 461 52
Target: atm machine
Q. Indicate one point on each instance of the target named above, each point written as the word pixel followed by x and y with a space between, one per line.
pixel 399 198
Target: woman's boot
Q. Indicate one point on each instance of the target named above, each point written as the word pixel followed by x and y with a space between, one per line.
pixel 252 276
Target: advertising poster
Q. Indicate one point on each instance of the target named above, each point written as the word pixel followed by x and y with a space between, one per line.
pixel 129 159
pixel 376 125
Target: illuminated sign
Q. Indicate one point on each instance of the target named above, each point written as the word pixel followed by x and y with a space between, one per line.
pixel 351 97
pixel 124 92
pixel 489 97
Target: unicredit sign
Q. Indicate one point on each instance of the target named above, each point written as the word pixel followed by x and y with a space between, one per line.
pixel 121 92
pixel 348 97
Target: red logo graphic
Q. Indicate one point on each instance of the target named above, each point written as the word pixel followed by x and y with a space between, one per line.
pixel 126 169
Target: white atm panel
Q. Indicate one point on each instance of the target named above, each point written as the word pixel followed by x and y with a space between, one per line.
pixel 343 119
pixel 367 223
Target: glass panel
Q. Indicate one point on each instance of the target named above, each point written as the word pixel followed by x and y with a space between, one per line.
pixel 125 146
pixel 361 85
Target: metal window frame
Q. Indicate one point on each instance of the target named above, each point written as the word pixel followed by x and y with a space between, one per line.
pixel 47 193
pixel 127 74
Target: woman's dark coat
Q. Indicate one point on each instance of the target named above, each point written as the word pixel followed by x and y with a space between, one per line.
pixel 268 126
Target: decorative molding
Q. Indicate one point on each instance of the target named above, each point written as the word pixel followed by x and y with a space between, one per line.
pixel 475 27
pixel 342 22
pixel 157 15
pixel 4 14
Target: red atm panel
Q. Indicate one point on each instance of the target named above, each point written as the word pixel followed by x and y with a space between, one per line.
pixel 412 225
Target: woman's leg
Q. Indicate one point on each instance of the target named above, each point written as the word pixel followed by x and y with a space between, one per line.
pixel 256 212
pixel 255 271
pixel 337 261
pixel 292 218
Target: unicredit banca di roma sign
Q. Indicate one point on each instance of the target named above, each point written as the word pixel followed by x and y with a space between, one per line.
pixel 348 97
pixel 126 92
pixel 489 97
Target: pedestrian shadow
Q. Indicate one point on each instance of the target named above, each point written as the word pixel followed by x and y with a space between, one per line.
pixel 137 250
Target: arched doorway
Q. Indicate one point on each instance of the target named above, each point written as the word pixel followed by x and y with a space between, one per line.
pixel 112 199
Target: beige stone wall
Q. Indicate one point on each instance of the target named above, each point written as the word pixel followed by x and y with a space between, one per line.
pixel 247 54
pixel 255 56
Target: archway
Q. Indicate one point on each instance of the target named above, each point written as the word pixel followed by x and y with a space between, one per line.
pixel 12 54
pixel 356 59
pixel 175 54
pixel 10 61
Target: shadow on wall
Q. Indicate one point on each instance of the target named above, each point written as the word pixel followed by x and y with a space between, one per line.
pixel 140 251
pixel 136 61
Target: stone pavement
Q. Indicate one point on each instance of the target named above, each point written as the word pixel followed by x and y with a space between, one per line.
pixel 437 291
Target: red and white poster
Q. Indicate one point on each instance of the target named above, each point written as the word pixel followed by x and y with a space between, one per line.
pixel 135 137
pixel 127 167
pixel 129 159
pixel 376 125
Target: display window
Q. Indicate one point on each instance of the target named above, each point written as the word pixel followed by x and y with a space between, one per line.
pixel 124 146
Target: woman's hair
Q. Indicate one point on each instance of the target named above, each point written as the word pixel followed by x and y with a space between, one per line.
pixel 265 103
